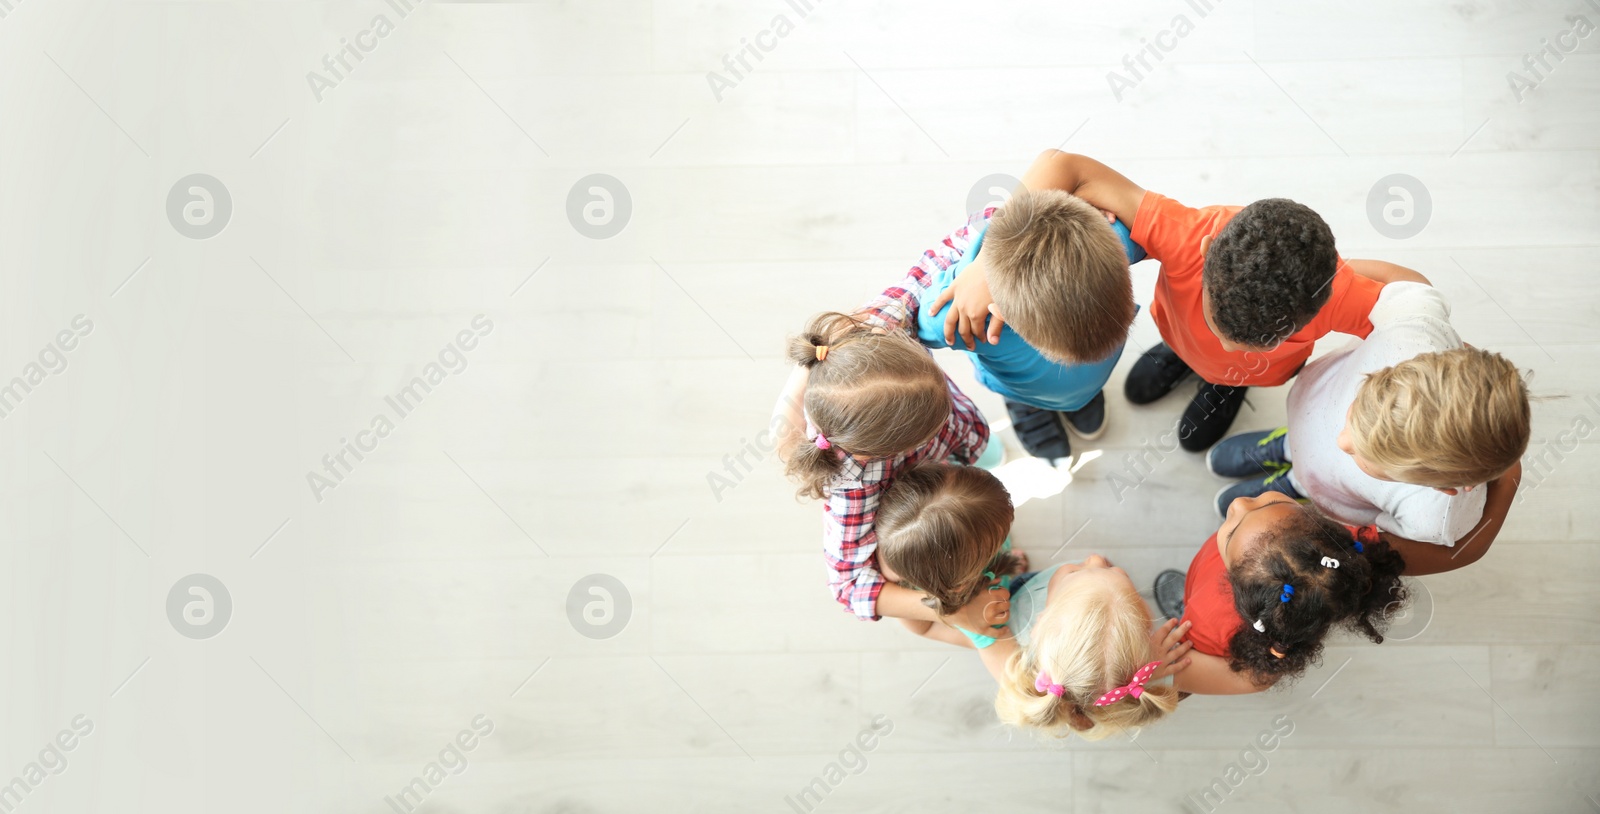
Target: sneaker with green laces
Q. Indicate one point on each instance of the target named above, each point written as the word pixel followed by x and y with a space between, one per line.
pixel 1250 454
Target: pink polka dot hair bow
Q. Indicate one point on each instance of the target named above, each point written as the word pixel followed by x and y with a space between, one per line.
pixel 1043 684
pixel 1134 688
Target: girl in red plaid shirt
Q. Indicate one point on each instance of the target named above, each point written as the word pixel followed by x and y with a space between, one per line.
pixel 862 405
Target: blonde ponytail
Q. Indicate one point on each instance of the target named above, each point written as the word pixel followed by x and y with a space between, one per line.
pixel 1090 640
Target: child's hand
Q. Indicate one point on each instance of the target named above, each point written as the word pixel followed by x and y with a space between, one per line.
pixel 1168 647
pixel 972 305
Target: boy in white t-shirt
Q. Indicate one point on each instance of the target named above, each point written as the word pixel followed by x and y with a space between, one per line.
pixel 1402 431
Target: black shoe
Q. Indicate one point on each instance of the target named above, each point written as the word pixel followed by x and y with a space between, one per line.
pixel 1169 593
pixel 1089 421
pixel 1040 431
pixel 1155 374
pixel 1209 415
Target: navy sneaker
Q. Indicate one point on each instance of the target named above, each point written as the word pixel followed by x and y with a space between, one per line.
pixel 1256 487
pixel 1089 421
pixel 1169 593
pixel 1040 431
pixel 1249 454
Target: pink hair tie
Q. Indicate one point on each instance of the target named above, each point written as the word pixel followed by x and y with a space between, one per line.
pixel 1043 684
pixel 822 442
pixel 1134 688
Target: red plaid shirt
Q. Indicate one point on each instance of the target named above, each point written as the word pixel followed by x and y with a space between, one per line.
pixel 898 305
pixel 848 540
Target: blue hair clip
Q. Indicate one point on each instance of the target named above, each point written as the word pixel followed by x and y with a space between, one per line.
pixel 1288 591
pixel 1360 549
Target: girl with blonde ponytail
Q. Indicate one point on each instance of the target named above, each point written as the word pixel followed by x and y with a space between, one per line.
pixel 863 404
pixel 1085 659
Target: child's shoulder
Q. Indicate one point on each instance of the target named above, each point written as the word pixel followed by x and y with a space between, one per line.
pixel 1409 319
pixel 1163 226
pixel 1161 206
pixel 1405 300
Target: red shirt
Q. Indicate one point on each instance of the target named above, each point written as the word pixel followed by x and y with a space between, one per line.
pixel 1208 602
pixel 1171 232
pixel 1208 596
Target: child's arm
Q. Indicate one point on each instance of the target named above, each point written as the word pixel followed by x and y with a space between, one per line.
pixel 1079 175
pixel 939 632
pixel 897 307
pixel 997 655
pixel 1088 179
pixel 1385 272
pixel 1210 675
pixel 1426 558
pixel 897 602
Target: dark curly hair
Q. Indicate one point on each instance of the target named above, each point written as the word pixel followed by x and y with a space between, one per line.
pixel 1357 591
pixel 1267 273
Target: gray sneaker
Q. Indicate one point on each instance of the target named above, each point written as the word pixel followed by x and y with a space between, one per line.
pixel 1169 593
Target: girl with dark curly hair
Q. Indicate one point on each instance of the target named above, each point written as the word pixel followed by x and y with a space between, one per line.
pixel 1264 592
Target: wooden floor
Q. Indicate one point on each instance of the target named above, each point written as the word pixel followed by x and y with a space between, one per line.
pixel 437 576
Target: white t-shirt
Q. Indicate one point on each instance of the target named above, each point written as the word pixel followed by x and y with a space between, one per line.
pixel 1409 319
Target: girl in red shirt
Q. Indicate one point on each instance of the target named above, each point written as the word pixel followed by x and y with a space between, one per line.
pixel 1265 590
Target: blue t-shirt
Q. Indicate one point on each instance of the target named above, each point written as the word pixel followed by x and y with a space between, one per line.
pixel 1028 602
pixel 1013 368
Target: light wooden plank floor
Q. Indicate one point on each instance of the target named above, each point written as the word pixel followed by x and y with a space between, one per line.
pixel 373 620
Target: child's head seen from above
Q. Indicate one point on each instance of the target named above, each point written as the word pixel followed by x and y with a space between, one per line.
pixel 939 527
pixel 1296 575
pixel 1268 272
pixel 869 393
pixel 1450 420
pixel 1092 638
pixel 1059 275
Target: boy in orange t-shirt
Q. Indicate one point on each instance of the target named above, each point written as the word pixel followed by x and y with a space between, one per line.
pixel 1243 293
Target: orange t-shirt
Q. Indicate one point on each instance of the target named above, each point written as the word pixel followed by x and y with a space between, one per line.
pixel 1170 232
pixel 1208 602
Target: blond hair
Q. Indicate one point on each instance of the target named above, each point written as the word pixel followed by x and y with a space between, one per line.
pixel 1091 639
pixel 940 526
pixel 871 394
pixel 1059 275
pixel 1447 419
